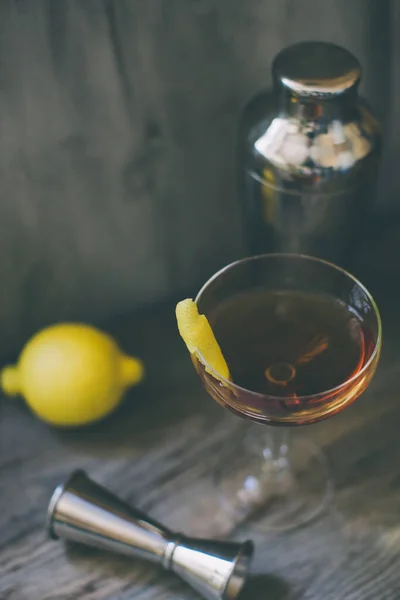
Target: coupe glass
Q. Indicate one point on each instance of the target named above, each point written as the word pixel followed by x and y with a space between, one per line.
pixel 263 473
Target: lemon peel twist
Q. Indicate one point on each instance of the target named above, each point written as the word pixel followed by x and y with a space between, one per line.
pixel 199 338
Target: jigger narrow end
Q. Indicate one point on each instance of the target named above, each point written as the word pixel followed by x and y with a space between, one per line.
pixel 217 569
pixel 58 492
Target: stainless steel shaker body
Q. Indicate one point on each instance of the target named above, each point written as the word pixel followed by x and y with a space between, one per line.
pixel 308 156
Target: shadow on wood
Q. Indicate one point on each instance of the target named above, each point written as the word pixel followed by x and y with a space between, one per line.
pixel 262 586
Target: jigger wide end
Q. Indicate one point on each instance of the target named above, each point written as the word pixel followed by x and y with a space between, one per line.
pixel 57 494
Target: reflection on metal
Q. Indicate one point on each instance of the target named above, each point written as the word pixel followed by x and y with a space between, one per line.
pixel 309 155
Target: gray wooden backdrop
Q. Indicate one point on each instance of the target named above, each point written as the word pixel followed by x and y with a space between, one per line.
pixel 117 133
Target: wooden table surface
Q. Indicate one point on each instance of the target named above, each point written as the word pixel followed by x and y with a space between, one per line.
pixel 157 451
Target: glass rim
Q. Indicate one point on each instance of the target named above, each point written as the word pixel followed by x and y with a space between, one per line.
pixel 314 259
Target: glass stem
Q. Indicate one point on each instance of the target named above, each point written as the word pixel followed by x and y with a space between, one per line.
pixel 275 446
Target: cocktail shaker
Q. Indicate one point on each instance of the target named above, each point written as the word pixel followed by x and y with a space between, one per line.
pixel 308 156
pixel 85 512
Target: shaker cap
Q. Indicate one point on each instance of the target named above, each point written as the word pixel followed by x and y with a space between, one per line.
pixel 316 69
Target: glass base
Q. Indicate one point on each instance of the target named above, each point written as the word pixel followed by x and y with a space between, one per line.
pixel 261 481
pixel 272 492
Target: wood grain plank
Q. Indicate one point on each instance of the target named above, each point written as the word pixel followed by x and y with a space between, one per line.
pixel 158 451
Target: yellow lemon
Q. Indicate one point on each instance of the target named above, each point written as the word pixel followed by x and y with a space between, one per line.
pixel 71 374
pixel 199 338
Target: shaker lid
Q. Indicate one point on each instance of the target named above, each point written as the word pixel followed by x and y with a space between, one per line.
pixel 316 69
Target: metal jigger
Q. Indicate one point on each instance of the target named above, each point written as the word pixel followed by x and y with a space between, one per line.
pixel 83 511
